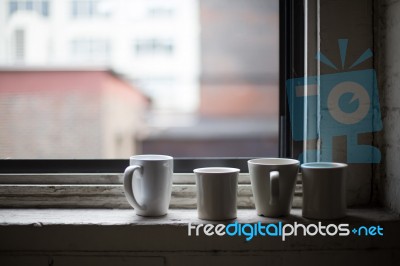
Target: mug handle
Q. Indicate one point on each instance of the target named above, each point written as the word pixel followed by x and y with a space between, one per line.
pixel 128 176
pixel 274 187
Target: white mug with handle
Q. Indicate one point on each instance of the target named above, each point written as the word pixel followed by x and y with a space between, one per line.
pixel 148 184
pixel 273 181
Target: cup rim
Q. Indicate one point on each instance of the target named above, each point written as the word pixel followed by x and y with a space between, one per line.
pixel 273 161
pixel 216 170
pixel 151 157
pixel 329 165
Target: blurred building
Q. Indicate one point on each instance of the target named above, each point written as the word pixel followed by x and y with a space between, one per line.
pixel 152 43
pixel 240 58
pixel 239 95
pixel 68 113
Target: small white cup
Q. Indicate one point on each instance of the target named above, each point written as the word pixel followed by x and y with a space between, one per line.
pixel 216 192
pixel 324 190
pixel 148 184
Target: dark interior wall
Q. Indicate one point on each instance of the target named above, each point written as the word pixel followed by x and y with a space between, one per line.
pixel 387 63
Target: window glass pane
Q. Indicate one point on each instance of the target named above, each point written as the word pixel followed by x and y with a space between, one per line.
pixel 12 7
pixel 19 44
pixel 109 79
pixel 39 6
pixel 85 50
pixel 153 47
pixel 29 5
pixel 160 12
pixel 45 8
pixel 91 8
pixel 74 9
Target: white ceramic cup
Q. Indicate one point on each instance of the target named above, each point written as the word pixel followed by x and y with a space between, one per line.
pixel 216 192
pixel 273 181
pixel 324 190
pixel 148 184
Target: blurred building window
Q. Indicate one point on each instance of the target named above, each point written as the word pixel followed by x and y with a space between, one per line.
pixel 91 8
pixel 90 50
pixel 12 7
pixel 19 45
pixel 29 5
pixel 39 6
pixel 160 12
pixel 45 8
pixel 154 47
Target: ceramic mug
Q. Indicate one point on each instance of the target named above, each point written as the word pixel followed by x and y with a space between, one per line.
pixel 148 184
pixel 216 192
pixel 324 190
pixel 273 181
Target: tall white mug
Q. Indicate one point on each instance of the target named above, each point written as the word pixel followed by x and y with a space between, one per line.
pixel 216 192
pixel 148 184
pixel 273 182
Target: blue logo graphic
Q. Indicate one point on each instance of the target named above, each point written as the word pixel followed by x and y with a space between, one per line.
pixel 340 104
